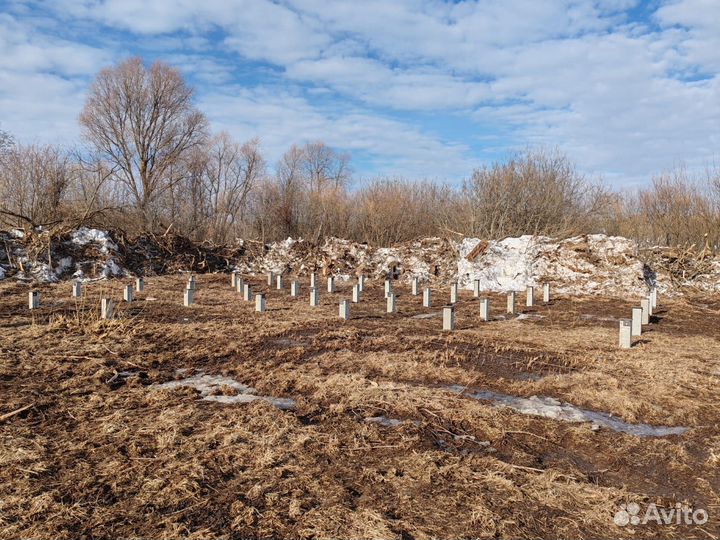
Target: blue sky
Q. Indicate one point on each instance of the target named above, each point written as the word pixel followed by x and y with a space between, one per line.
pixel 411 88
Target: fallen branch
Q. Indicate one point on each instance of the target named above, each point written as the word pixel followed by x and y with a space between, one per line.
pixel 16 411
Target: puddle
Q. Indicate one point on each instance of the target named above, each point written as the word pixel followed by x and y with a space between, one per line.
pixel 548 407
pixel 210 387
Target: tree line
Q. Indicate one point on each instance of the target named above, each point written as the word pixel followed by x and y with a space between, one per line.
pixel 150 163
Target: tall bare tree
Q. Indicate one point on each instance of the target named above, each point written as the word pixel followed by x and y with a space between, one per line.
pixel 143 121
pixel 290 191
pixel 232 170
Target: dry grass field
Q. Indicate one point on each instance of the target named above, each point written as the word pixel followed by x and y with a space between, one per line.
pixel 381 442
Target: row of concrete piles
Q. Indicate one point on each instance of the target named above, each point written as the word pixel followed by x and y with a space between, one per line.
pixel 107 306
pixel 390 297
pixel 628 328
pixel 640 316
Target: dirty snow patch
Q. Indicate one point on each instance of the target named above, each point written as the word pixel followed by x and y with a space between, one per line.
pixel 209 387
pixel 548 407
pixel 84 236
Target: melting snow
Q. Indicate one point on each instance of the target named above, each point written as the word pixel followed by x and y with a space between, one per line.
pixel 210 385
pixel 549 407
pixel 84 236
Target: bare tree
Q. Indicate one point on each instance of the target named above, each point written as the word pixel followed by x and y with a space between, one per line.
pixel 324 168
pixel 290 191
pixel 33 183
pixel 143 122
pixel 232 170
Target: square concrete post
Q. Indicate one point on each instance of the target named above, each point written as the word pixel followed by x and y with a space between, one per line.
pixel 234 280
pixel 77 289
pixel 361 283
pixel 625 341
pixel 314 297
pixel 653 297
pixel 388 287
pixel 128 293
pixel 239 284
pixel 313 280
pixel 546 293
pixel 295 288
pixel 476 288
pixel 415 286
pixel 107 307
pixel 188 297
pixel 247 292
pixel 645 306
pixel 191 283
pixel 270 279
pixel 530 296
pixel 33 300
pixel 391 303
pixel 260 303
pixel 637 313
pixel 331 284
pixel 650 306
pixel 449 318
pixel 427 297
pixel 139 284
pixel 278 283
pixel 344 310
pixel 485 309
pixel 356 293
pixel 511 303
pixel 454 293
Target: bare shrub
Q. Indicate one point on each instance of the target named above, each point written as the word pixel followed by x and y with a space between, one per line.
pixel 33 183
pixel 538 192
pixel 677 210
pixel 390 210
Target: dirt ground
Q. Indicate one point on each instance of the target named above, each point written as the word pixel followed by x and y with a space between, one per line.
pixel 99 451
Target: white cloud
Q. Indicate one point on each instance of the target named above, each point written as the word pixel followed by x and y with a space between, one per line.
pixel 24 49
pixel 623 97
pixel 281 119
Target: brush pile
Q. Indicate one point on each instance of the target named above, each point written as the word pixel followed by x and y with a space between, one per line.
pixel 588 264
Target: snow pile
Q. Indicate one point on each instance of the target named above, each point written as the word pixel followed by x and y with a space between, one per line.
pixel 580 265
pixel 84 236
pixel 427 258
pixel 100 241
pixel 505 265
pixel 583 264
pixel 86 254
pixel 589 264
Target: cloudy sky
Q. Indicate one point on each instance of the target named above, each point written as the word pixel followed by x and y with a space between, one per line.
pixel 414 88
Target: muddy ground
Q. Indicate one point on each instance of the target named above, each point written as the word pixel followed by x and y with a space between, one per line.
pixel 381 442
